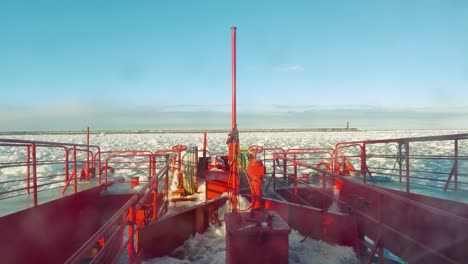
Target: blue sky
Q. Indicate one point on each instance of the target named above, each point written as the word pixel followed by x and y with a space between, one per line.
pixel 65 65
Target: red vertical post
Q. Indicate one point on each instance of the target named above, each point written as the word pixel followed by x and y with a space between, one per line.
pixel 99 166
pixel 399 163
pixel 150 167
pixel 233 39
pixel 456 165
pixel 295 175
pixel 67 166
pixel 204 145
pixel 274 171
pixel 131 231
pixel 87 154
pixel 166 185
pixel 233 140
pixel 34 172
pixel 196 167
pixel 363 162
pixel 180 175
pixel 75 184
pixel 154 164
pixel 407 167
pixel 155 198
pixel 28 167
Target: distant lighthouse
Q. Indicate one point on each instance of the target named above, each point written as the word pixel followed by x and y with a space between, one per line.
pixel 347 125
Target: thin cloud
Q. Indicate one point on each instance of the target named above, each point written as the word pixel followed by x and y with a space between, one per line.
pixel 289 68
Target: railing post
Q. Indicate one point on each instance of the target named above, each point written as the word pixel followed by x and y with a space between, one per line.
pixel 150 166
pixel 87 155
pixel 99 166
pixel 456 165
pixel 335 160
pixel 400 161
pixel 363 162
pixel 34 172
pixel 155 195
pixel 75 183
pixel 131 233
pixel 28 167
pixel 407 166
pixel 166 184
pixel 274 171
pixel 67 166
pixel 155 199
pixel 295 175
pixel 153 163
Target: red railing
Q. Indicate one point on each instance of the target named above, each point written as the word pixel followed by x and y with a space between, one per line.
pixel 374 222
pixel 290 171
pixel 28 151
pixel 413 162
pixel 125 218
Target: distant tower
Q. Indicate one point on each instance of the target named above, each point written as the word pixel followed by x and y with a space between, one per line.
pixel 347 125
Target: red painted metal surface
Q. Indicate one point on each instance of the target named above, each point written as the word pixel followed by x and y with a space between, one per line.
pixel 165 234
pixel 419 235
pixel 62 225
pixel 266 236
pixel 217 183
pixel 333 227
pixel 127 213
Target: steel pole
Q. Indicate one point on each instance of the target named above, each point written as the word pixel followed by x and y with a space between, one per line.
pixel 67 166
pixel 99 166
pixel 28 168
pixel 34 172
pixel 407 166
pixel 456 165
pixel 233 38
pixel 87 155
pixel 131 233
pixel 75 171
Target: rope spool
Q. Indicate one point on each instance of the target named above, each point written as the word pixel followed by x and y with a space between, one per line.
pixel 190 170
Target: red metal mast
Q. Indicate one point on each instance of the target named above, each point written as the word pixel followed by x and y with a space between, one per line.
pixel 233 138
pixel 234 117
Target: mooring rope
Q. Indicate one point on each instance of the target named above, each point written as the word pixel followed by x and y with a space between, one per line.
pixel 190 171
